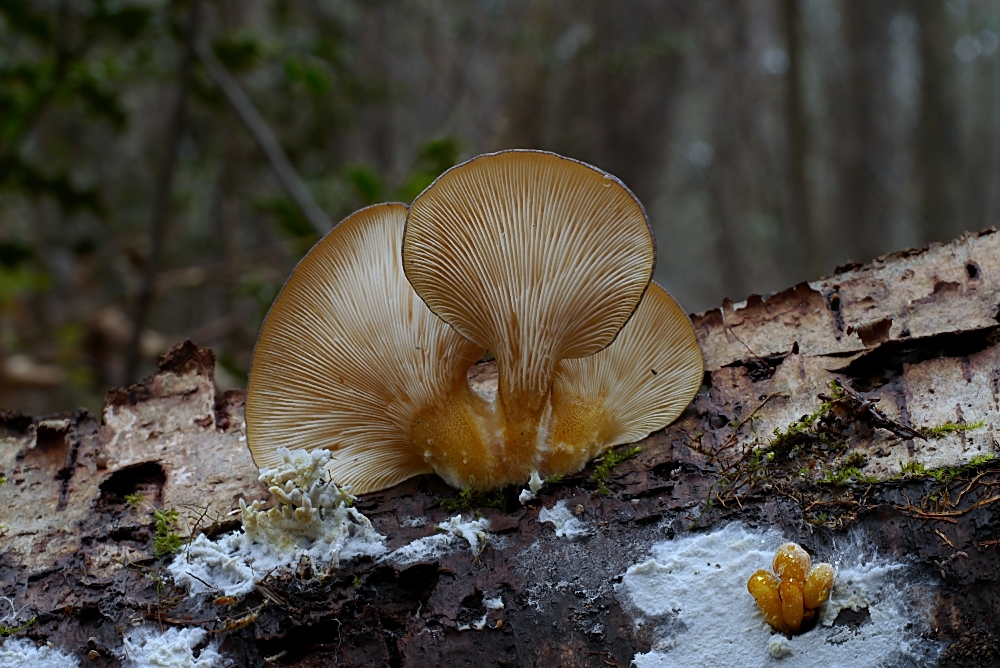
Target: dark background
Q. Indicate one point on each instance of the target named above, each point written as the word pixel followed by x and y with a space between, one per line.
pixel 770 140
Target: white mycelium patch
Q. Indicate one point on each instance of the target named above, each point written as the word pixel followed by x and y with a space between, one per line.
pixel 312 518
pixel 455 534
pixel 535 483
pixel 693 595
pixel 146 646
pixel 566 525
pixel 23 652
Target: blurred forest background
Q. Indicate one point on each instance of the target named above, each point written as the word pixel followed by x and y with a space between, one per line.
pixel 164 164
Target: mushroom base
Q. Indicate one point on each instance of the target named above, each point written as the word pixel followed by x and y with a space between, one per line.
pixel 470 441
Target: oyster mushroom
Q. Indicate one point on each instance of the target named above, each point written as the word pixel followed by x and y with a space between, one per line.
pixel 538 258
pixel 348 354
pixel 542 260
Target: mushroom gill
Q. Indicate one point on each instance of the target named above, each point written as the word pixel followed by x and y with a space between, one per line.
pixel 638 384
pixel 348 355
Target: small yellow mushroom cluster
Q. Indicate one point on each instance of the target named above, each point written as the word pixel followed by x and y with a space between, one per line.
pixel 790 596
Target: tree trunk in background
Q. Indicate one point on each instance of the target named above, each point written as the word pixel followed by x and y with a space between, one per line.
pixel 939 162
pixel 797 141
pixel 727 194
pixel 160 215
pixel 911 340
pixel 865 188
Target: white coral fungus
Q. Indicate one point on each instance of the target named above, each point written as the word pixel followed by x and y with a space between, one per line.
pixel 313 518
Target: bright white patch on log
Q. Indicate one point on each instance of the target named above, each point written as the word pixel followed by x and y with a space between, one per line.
pixel 312 518
pixel 566 525
pixel 414 522
pixel 493 603
pixel 456 534
pixel 22 652
pixel 535 483
pixel 693 594
pixel 146 646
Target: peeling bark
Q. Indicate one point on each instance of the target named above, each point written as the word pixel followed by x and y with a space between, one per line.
pixel 875 356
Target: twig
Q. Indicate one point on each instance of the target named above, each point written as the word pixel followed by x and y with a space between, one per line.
pixel 945 539
pixel 268 143
pixel 969 486
pixel 752 413
pixel 948 515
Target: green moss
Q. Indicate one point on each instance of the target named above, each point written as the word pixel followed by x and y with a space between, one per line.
pixel 11 630
pixel 945 474
pixel 165 539
pixel 845 475
pixel 913 468
pixel 134 500
pixel 471 498
pixel 858 459
pixel 608 462
pixel 942 430
pixel 804 428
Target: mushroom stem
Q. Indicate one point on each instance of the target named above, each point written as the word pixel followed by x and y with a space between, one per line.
pixel 471 440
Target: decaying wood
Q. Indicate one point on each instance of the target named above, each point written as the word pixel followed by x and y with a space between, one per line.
pixel 815 400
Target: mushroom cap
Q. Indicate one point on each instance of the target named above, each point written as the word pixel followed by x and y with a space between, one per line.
pixel 635 386
pixel 532 255
pixel 348 354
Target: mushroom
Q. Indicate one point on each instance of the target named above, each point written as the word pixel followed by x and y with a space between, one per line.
pixel 540 259
pixel 348 354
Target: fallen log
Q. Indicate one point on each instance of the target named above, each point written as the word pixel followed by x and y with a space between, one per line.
pixel 856 415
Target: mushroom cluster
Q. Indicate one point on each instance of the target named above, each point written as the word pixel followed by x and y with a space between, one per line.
pixel 790 596
pixel 545 262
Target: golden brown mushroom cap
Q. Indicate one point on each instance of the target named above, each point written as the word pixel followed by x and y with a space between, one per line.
pixel 635 386
pixel 532 255
pixel 349 354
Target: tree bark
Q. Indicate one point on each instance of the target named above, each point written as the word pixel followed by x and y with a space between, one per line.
pixel 876 354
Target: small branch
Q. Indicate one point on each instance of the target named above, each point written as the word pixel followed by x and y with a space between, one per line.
pixel 268 143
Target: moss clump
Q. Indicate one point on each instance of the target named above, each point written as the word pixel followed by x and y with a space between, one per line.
pixel 942 430
pixel 11 630
pixel 608 462
pixel 134 500
pixel 165 539
pixel 848 471
pixel 845 475
pixel 472 497
pixel 913 468
pixel 809 427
